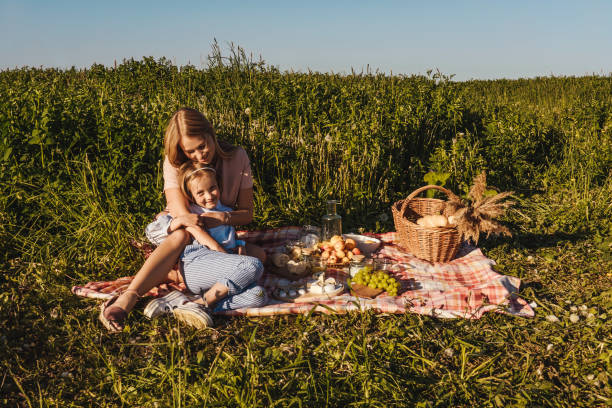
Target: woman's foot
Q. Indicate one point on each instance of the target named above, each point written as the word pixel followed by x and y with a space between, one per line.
pixel 112 317
pixel 113 312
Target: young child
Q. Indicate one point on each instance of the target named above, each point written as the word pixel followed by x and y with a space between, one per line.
pixel 231 283
pixel 200 186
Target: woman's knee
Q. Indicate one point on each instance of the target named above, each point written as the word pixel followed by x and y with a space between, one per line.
pixel 180 237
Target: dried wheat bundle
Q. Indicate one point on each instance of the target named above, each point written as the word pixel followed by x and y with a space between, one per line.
pixel 479 213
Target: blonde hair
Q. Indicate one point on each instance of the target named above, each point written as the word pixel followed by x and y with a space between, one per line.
pixel 191 123
pixel 189 172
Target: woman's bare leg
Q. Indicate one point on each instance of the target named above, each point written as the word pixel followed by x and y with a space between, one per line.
pixel 156 268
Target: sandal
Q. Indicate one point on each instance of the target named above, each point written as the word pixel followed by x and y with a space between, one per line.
pixel 113 317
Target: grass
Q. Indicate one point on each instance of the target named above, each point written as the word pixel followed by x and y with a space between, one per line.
pixel 59 355
pixel 80 175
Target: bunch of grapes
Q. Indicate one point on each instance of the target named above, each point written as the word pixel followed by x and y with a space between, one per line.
pixel 376 280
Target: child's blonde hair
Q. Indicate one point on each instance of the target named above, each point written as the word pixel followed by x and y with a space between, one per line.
pixel 191 123
pixel 190 171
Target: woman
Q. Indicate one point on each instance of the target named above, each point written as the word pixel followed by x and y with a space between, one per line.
pixel 189 137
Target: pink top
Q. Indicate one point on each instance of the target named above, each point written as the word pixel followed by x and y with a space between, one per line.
pixel 235 173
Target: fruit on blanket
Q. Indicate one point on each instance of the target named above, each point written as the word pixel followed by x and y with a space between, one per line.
pixel 342 251
pixel 377 279
pixel 350 244
pixel 279 259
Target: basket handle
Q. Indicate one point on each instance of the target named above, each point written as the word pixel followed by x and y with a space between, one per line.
pixel 420 190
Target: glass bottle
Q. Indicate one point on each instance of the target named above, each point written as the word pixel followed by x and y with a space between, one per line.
pixel 331 222
pixel 311 236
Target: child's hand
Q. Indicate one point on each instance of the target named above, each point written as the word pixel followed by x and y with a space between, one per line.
pixel 218 248
pixel 241 250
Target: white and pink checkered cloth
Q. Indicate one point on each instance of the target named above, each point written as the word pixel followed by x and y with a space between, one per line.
pixel 465 287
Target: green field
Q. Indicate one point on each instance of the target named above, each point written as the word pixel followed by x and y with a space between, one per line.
pixel 80 175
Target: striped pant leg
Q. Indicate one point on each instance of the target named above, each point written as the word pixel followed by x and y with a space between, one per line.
pixel 203 268
pixel 253 296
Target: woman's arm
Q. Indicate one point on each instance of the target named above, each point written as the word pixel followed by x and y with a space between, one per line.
pixel 176 202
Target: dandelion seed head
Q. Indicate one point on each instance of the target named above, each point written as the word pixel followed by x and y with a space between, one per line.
pixel 552 318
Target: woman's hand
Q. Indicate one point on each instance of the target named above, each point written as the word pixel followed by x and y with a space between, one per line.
pixel 186 221
pixel 213 219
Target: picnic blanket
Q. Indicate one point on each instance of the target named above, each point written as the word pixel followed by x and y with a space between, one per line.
pixel 465 287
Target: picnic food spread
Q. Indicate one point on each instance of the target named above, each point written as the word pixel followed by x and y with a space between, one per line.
pixel 429 228
pixel 302 266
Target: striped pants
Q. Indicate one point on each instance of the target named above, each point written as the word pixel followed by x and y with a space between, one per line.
pixel 202 268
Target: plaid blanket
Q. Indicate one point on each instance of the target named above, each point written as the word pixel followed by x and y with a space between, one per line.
pixel 465 287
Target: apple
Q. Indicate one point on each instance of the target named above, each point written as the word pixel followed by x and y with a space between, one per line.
pixel 335 239
pixel 350 243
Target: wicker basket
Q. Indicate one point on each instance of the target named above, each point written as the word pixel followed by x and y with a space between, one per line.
pixel 430 244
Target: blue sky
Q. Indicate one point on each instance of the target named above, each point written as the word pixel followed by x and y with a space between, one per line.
pixel 471 39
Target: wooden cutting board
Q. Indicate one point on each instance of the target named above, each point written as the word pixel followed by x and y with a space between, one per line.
pixel 364 291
